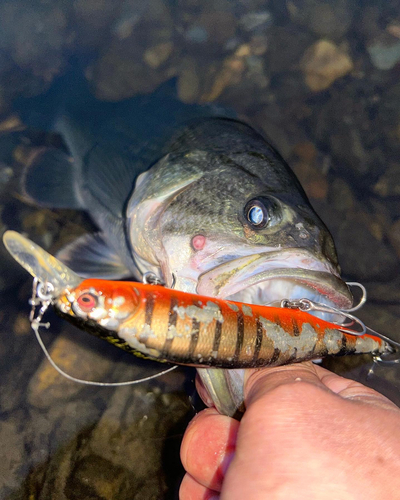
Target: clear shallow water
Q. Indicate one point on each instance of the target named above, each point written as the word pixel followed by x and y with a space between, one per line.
pixel 319 79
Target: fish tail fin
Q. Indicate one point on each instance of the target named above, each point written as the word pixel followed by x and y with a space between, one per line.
pixel 49 179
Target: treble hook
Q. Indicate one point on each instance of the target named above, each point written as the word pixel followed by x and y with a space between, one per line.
pixel 363 298
pixel 41 296
pixel 308 305
pixel 150 278
pixel 378 360
pixel 389 341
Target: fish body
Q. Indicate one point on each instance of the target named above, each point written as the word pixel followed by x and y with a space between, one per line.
pixel 184 328
pixel 192 195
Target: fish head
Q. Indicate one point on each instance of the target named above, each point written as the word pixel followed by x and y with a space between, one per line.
pixel 235 226
pixel 40 264
pixel 108 304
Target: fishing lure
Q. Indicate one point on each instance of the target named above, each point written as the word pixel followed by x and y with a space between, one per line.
pixel 152 321
pixel 183 328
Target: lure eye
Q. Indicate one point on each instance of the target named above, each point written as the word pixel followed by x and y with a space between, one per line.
pixel 86 302
pixel 257 213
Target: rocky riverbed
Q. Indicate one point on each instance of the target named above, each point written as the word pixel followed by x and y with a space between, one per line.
pixel 319 78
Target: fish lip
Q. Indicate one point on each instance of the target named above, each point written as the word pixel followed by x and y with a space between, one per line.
pixel 242 273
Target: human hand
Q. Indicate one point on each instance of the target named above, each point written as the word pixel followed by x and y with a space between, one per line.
pixel 306 434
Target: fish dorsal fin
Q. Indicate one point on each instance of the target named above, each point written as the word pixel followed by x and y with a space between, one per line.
pixel 90 256
pixel 50 179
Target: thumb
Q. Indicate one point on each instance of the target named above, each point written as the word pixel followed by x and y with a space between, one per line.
pixel 259 383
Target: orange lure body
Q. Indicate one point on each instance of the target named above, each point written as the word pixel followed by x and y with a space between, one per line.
pixel 179 327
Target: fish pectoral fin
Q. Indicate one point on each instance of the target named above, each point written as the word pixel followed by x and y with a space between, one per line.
pixel 49 179
pixel 91 257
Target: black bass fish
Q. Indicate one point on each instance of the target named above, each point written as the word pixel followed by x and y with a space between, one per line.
pixel 205 204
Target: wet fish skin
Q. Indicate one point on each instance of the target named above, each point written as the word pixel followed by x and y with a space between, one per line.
pixel 108 146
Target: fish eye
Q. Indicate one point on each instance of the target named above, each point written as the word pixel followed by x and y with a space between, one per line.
pixel 258 213
pixel 87 302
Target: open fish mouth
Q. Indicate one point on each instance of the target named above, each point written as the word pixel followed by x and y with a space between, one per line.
pixel 273 276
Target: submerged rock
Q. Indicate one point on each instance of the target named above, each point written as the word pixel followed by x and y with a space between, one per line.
pixel 324 18
pixel 94 477
pixel 384 51
pixel 94 19
pixel 341 196
pixel 48 387
pixel 256 22
pixel 363 254
pixel 388 183
pixel 132 452
pixel 136 57
pixel 394 237
pixel 12 453
pixel 311 178
pixel 37 38
pixel 286 47
pixel 158 54
pixel 212 29
pixel 189 80
pixel 384 292
pixel 242 67
pixel 323 63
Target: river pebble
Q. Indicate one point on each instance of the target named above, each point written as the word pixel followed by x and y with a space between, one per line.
pixel 323 63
